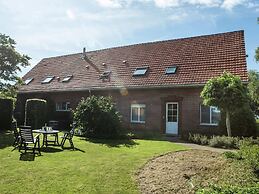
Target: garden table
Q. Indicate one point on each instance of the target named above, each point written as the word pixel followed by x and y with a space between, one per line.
pixel 45 133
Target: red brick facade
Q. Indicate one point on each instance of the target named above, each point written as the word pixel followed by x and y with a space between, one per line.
pixel 155 100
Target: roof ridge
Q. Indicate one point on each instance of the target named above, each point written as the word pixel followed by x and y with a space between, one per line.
pixel 151 42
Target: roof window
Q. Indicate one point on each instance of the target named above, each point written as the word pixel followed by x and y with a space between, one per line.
pixel 67 78
pixel 28 80
pixel 140 71
pixel 105 75
pixel 47 80
pixel 171 70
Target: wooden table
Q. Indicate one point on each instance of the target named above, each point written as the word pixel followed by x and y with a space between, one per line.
pixel 45 133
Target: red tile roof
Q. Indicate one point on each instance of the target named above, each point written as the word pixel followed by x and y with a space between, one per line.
pixel 197 60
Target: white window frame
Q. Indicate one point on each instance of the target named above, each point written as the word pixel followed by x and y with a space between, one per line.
pixel 138 106
pixel 210 124
pixel 62 110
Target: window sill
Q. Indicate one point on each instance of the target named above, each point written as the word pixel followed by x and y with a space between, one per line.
pixel 208 124
pixel 138 122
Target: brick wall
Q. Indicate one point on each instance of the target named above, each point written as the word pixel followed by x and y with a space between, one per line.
pixel 188 100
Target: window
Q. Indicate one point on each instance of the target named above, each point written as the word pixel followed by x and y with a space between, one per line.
pixel 171 70
pixel 105 75
pixel 209 115
pixel 27 81
pixel 138 113
pixel 63 106
pixel 48 79
pixel 140 71
pixel 67 78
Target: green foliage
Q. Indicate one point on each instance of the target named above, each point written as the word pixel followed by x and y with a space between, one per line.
pixel 224 142
pixel 6 113
pixel 232 155
pixel 253 90
pixel 35 113
pixel 98 117
pixel 228 189
pixel 198 139
pixel 242 122
pixel 11 62
pixel 225 92
pixel 257 54
pixel 250 153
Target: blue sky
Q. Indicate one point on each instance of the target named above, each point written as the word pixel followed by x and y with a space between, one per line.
pixel 46 28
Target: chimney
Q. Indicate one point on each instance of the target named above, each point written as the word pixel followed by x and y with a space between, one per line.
pixel 84 54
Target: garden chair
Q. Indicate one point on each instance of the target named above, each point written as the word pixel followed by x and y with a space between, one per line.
pixel 68 136
pixel 17 136
pixel 27 139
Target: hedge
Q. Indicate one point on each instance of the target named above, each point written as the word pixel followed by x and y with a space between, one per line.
pixel 6 112
pixel 35 113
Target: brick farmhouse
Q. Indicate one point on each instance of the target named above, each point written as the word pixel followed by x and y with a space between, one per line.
pixel 156 85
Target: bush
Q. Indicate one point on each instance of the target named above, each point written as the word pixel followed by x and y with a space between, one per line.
pixel 98 117
pixel 250 153
pixel 199 139
pixel 242 122
pixel 35 113
pixel 224 142
pixel 227 189
pixel 6 112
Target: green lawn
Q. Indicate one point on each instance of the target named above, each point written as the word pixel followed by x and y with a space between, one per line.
pixel 95 167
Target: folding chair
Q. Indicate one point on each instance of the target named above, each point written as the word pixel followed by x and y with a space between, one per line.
pixel 17 136
pixel 27 139
pixel 68 136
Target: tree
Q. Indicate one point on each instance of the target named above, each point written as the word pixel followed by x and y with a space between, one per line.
pixel 253 90
pixel 11 62
pixel 227 93
pixel 257 54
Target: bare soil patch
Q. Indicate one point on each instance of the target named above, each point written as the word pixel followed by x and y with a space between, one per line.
pixel 182 172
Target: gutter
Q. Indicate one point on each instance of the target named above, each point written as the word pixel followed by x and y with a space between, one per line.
pixel 114 88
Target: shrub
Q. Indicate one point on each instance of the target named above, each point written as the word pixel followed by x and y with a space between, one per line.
pixel 199 139
pixel 224 142
pixel 6 112
pixel 98 117
pixel 35 113
pixel 250 153
pixel 242 122
pixel 227 189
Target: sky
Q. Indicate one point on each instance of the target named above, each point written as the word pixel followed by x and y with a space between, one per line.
pixel 46 28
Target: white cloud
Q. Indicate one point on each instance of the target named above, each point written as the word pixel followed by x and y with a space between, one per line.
pixel 230 4
pixel 70 14
pixel 109 3
pixel 178 17
pixel 207 3
pixel 167 3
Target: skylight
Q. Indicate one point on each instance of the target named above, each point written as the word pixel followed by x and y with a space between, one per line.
pixel 28 80
pixel 140 71
pixel 67 78
pixel 171 70
pixel 48 79
pixel 105 75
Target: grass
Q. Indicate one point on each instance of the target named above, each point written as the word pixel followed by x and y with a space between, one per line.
pixel 94 167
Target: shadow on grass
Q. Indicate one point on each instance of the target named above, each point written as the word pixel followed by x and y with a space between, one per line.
pixel 50 149
pixel 75 149
pixel 27 156
pixel 127 142
pixel 6 139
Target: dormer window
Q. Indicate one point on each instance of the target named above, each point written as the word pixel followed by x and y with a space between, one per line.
pixel 105 75
pixel 47 80
pixel 140 71
pixel 171 70
pixel 67 78
pixel 27 81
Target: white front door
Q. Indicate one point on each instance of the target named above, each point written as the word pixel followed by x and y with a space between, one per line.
pixel 172 118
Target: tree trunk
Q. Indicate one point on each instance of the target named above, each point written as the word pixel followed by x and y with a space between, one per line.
pixel 228 123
